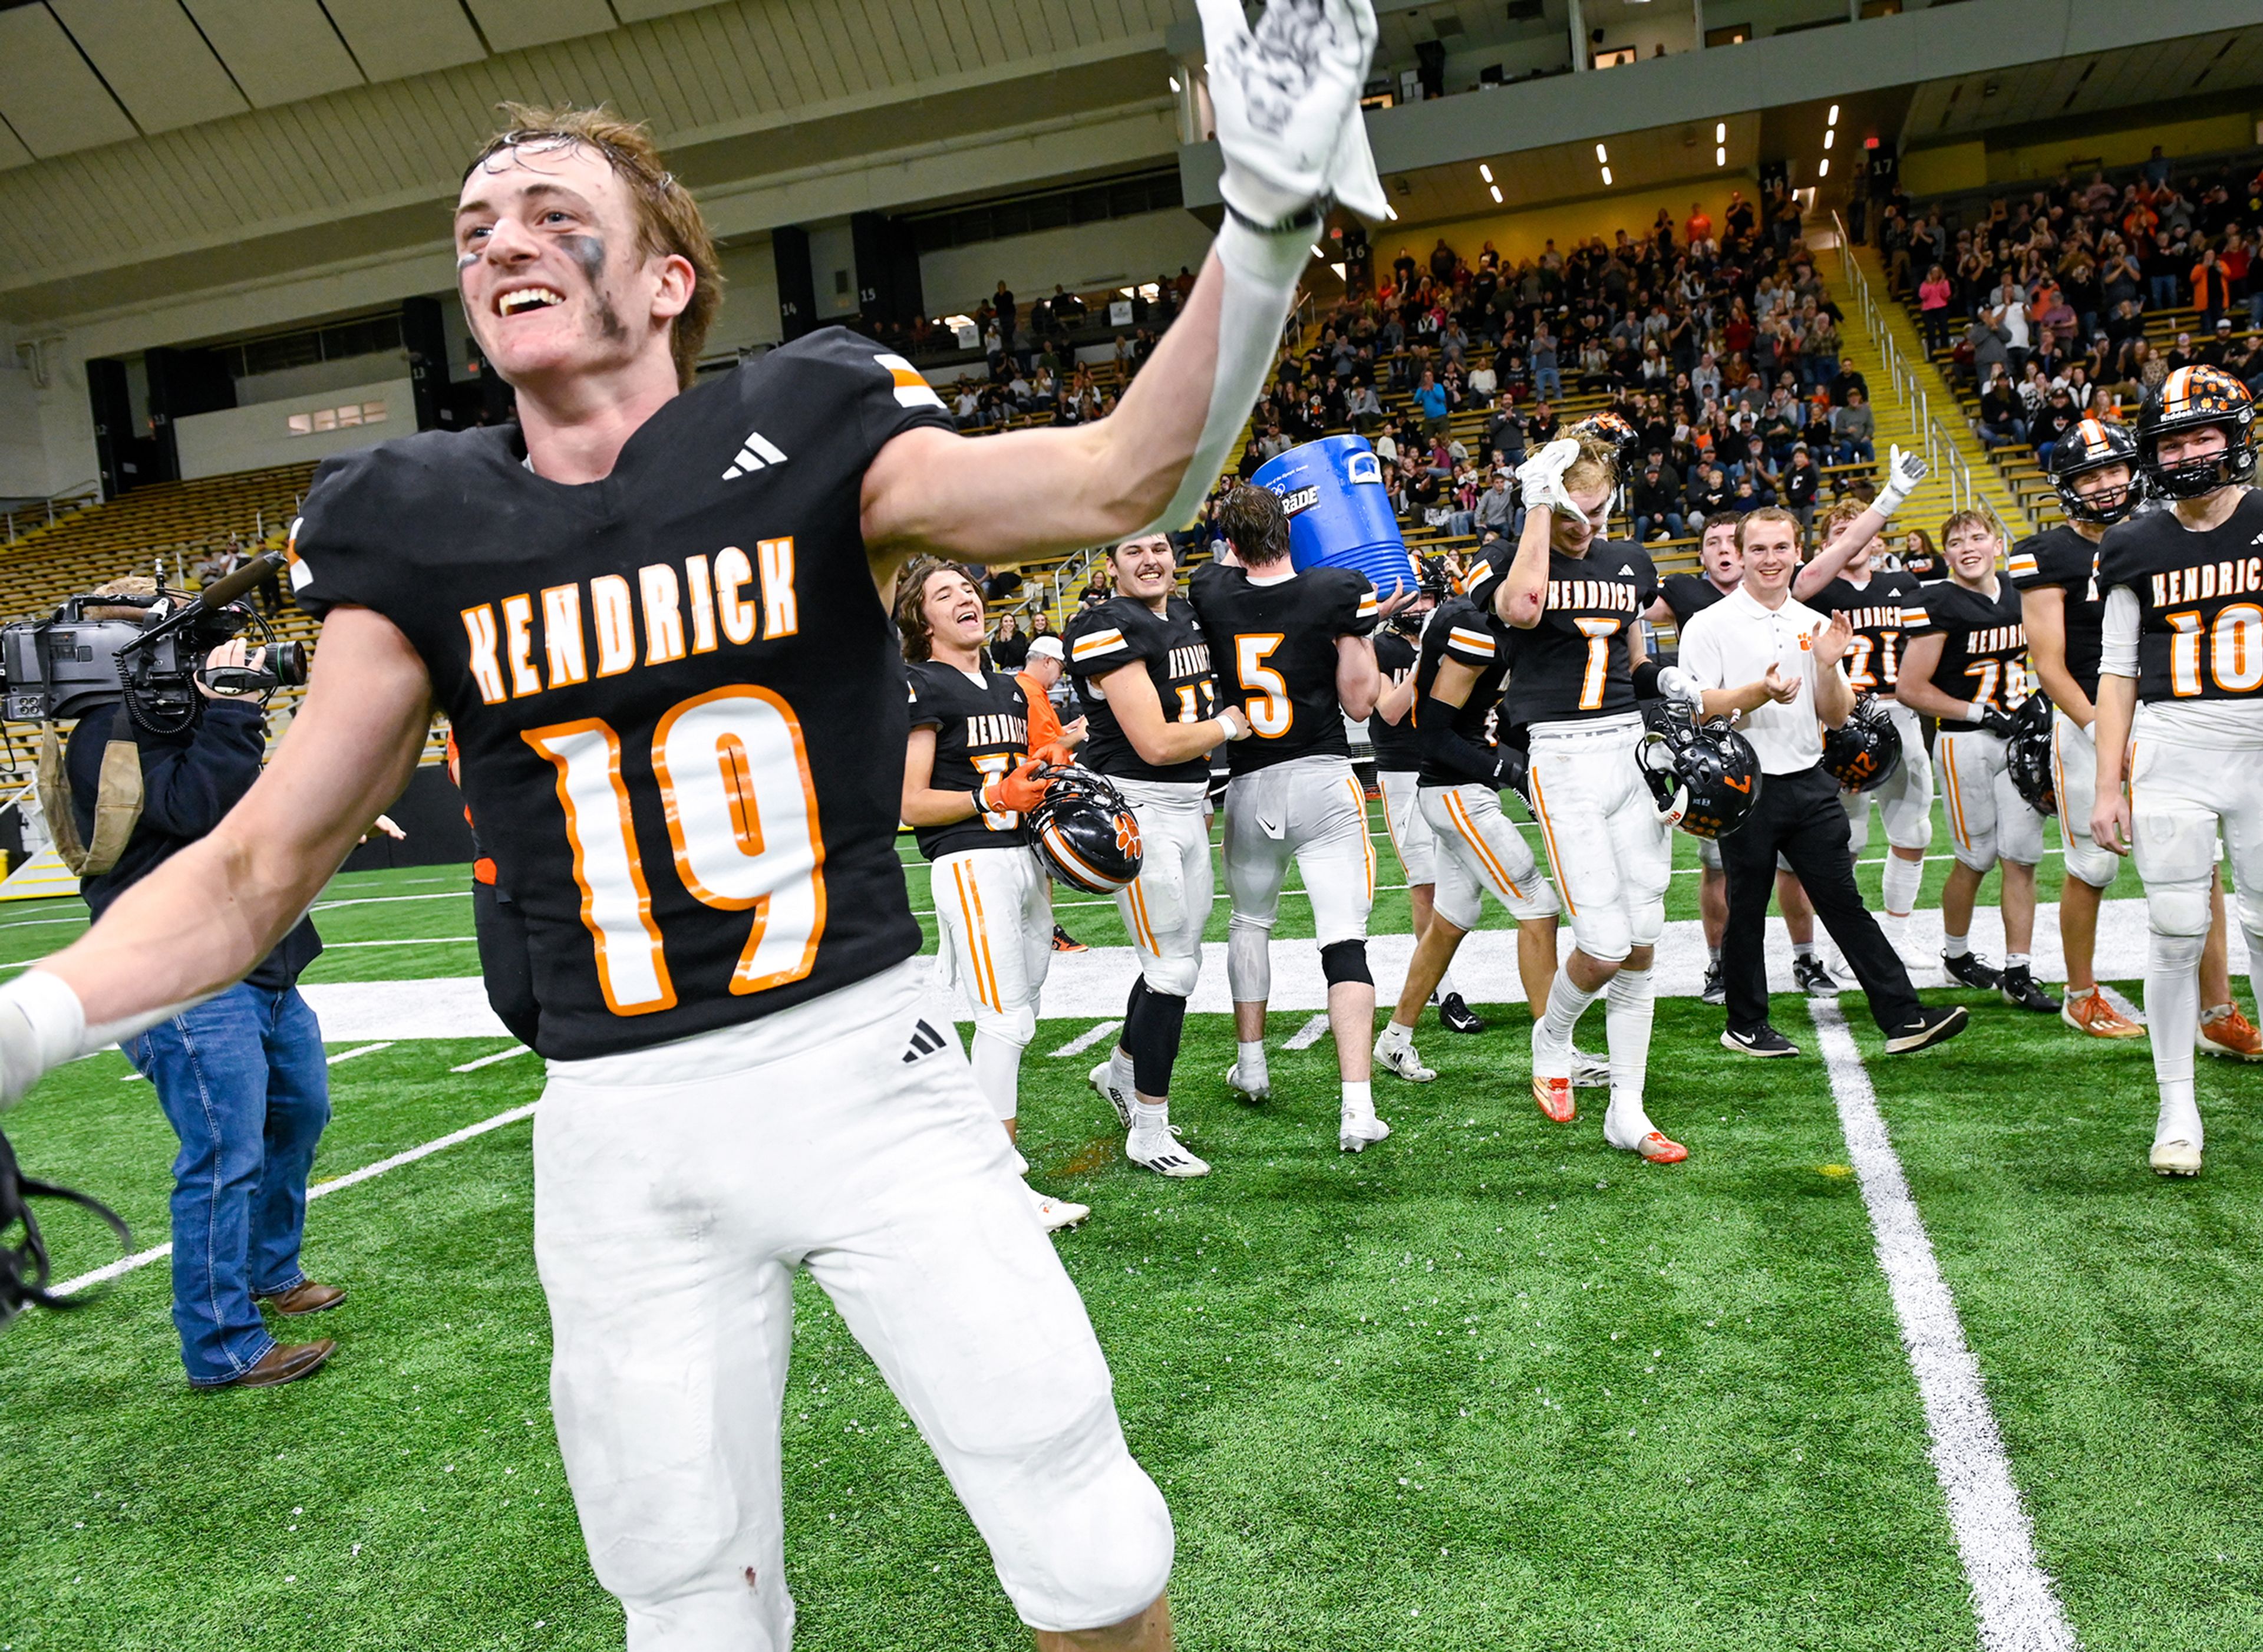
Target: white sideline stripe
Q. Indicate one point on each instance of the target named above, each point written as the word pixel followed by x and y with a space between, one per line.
pixel 1086 1038
pixel 2012 1595
pixel 2121 1003
pixel 1309 1034
pixel 366 1049
pixel 158 1253
pixel 490 1061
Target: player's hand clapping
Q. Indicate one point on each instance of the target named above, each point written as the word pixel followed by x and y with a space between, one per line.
pixel 1832 640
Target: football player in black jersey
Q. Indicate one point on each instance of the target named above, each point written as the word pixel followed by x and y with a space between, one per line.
pixel 656 615
pixel 1142 671
pixel 1850 575
pixel 1965 661
pixel 1576 600
pixel 2180 696
pixel 1292 649
pixel 1398 763
pixel 1681 597
pixel 968 774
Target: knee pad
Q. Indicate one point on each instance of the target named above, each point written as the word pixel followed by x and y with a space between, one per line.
pixel 1150 1039
pixel 1980 856
pixel 1015 1026
pixel 1646 924
pixel 1341 961
pixel 1913 833
pixel 1248 959
pixel 2176 954
pixel 2179 910
pixel 1170 977
pixel 1606 937
pixel 1098 1551
pixel 2086 861
pixel 1458 902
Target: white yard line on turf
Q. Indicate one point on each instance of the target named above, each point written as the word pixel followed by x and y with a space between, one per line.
pixel 158 1253
pixel 1309 1034
pixel 366 1049
pixel 490 1061
pixel 2012 1595
pixel 1086 1038
pixel 2121 1003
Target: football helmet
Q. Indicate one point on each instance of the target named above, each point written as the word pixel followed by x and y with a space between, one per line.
pixel 1083 831
pixel 2093 445
pixel 1860 753
pixel 2027 753
pixel 1706 776
pixel 1625 441
pixel 2193 398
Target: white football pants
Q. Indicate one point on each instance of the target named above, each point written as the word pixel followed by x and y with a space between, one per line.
pixel 1167 906
pixel 2074 777
pixel 993 910
pixel 1309 809
pixel 1906 797
pixel 1611 855
pixel 1988 816
pixel 1411 837
pixel 1479 849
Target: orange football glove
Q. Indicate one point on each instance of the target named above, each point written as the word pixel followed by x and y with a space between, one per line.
pixel 1015 794
pixel 1054 753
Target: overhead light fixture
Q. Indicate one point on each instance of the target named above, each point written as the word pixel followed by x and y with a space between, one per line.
pixel 1602 155
pixel 1484 171
pixel 1720 157
pixel 1607 175
pixel 1828 135
pixel 1390 211
pixel 1496 194
pixel 1174 82
pixel 1720 132
pixel 1832 119
pixel 1338 269
pixel 1321 255
pixel 1824 170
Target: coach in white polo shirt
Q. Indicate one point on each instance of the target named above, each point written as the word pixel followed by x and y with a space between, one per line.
pixel 1775 661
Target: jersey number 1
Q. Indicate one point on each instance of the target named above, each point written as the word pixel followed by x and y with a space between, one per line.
pixel 741 823
pixel 1599 634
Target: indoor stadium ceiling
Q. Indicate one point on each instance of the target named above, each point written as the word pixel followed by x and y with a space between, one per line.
pixel 2165 72
pixel 1570 171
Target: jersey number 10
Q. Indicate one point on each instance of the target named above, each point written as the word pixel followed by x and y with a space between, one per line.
pixel 743 825
pixel 2235 650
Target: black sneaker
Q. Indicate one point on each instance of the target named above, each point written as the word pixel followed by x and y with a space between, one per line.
pixel 2019 989
pixel 1931 1026
pixel 1972 969
pixel 1716 990
pixel 1813 978
pixel 1762 1041
pixel 1457 1017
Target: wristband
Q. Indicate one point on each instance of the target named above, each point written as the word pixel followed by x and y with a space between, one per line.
pixel 42 1026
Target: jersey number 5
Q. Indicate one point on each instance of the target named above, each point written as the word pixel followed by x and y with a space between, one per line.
pixel 1268 709
pixel 741 823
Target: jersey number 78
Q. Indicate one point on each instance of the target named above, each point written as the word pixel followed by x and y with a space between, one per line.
pixel 743 827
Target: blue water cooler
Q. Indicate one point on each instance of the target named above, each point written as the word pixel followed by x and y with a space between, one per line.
pixel 1340 513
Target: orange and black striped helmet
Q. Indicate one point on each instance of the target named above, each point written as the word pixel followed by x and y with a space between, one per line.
pixel 2095 444
pixel 2198 398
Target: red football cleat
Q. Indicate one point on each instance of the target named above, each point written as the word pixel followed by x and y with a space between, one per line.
pixel 1655 1147
pixel 1554 1095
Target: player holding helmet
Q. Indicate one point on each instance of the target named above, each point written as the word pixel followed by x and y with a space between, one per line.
pixel 1575 600
pixel 1142 671
pixel 2180 696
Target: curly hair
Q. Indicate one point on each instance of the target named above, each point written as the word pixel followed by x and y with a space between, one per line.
pixel 668 220
pixel 1255 525
pixel 1597 465
pixel 912 628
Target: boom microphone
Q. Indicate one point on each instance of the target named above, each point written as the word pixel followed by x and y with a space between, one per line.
pixel 226 590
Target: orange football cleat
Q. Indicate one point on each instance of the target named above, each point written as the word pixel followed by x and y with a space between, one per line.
pixel 1554 1095
pixel 1655 1147
pixel 2231 1034
pixel 2090 1013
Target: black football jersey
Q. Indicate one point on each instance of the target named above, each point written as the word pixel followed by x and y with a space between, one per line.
pixel 1172 646
pixel 1875 609
pixel 1572 665
pixel 2060 556
pixel 2200 601
pixel 1472 636
pixel 1273 645
pixel 677 695
pixel 1688 594
pixel 980 729
pixel 1396 748
pixel 1984 653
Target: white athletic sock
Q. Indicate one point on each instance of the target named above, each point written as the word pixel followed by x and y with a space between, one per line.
pixel 2179 1119
pixel 1358 1096
pixel 1955 945
pixel 1629 1005
pixel 2015 960
pixel 1394 1034
pixel 2173 1021
pixel 1249 1056
pixel 998 1073
pixel 1446 986
pixel 1119 1071
pixel 1713 957
pixel 1567 1003
pixel 1151 1116
pixel 1901 880
pixel 1803 949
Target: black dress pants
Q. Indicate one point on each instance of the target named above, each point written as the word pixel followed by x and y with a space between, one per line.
pixel 1799 816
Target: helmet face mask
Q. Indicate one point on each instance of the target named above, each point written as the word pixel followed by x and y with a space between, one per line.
pixel 1705 777
pixel 1862 752
pixel 2028 755
pixel 2190 399
pixel 2091 446
pixel 1083 833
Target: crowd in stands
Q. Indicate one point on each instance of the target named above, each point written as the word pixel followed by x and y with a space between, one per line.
pixel 2041 297
pixel 1037 361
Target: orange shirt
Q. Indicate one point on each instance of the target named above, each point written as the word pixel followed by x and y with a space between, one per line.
pixel 1044 721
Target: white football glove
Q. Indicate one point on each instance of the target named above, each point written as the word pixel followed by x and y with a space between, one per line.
pixel 1286 99
pixel 1541 477
pixel 1679 687
pixel 1904 472
pixel 42 1024
pixel 1235 721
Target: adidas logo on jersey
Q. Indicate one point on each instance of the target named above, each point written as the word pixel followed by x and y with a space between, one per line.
pixel 925 1042
pixel 758 453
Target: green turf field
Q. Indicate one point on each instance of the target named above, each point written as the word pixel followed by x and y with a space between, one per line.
pixel 1488 1385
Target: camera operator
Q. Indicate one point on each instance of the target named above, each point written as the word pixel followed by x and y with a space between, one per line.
pixel 240 1076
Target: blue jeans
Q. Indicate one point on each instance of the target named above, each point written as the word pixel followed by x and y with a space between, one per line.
pixel 1550 382
pixel 2168 292
pixel 242 1081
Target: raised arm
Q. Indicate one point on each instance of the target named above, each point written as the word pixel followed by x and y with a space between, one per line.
pixel 1904 472
pixel 1524 592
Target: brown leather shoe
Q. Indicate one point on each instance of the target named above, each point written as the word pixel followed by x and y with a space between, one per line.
pixel 284 1362
pixel 305 1297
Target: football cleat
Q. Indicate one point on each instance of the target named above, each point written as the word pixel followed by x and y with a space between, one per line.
pixel 1064 942
pixel 2019 990
pixel 1055 1214
pixel 1399 1056
pixel 1589 1072
pixel 1457 1017
pixel 1160 1151
pixel 1813 978
pixel 2090 1013
pixel 1971 970
pixel 1359 1129
pixel 1119 1100
pixel 1555 1097
pixel 2175 1158
pixel 1657 1150
pixel 2230 1034
pixel 1716 990
pixel 1249 1095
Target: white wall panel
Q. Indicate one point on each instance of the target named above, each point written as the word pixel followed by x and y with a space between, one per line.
pixel 279 51
pixel 393 38
pixel 154 60
pixel 254 438
pixel 48 94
